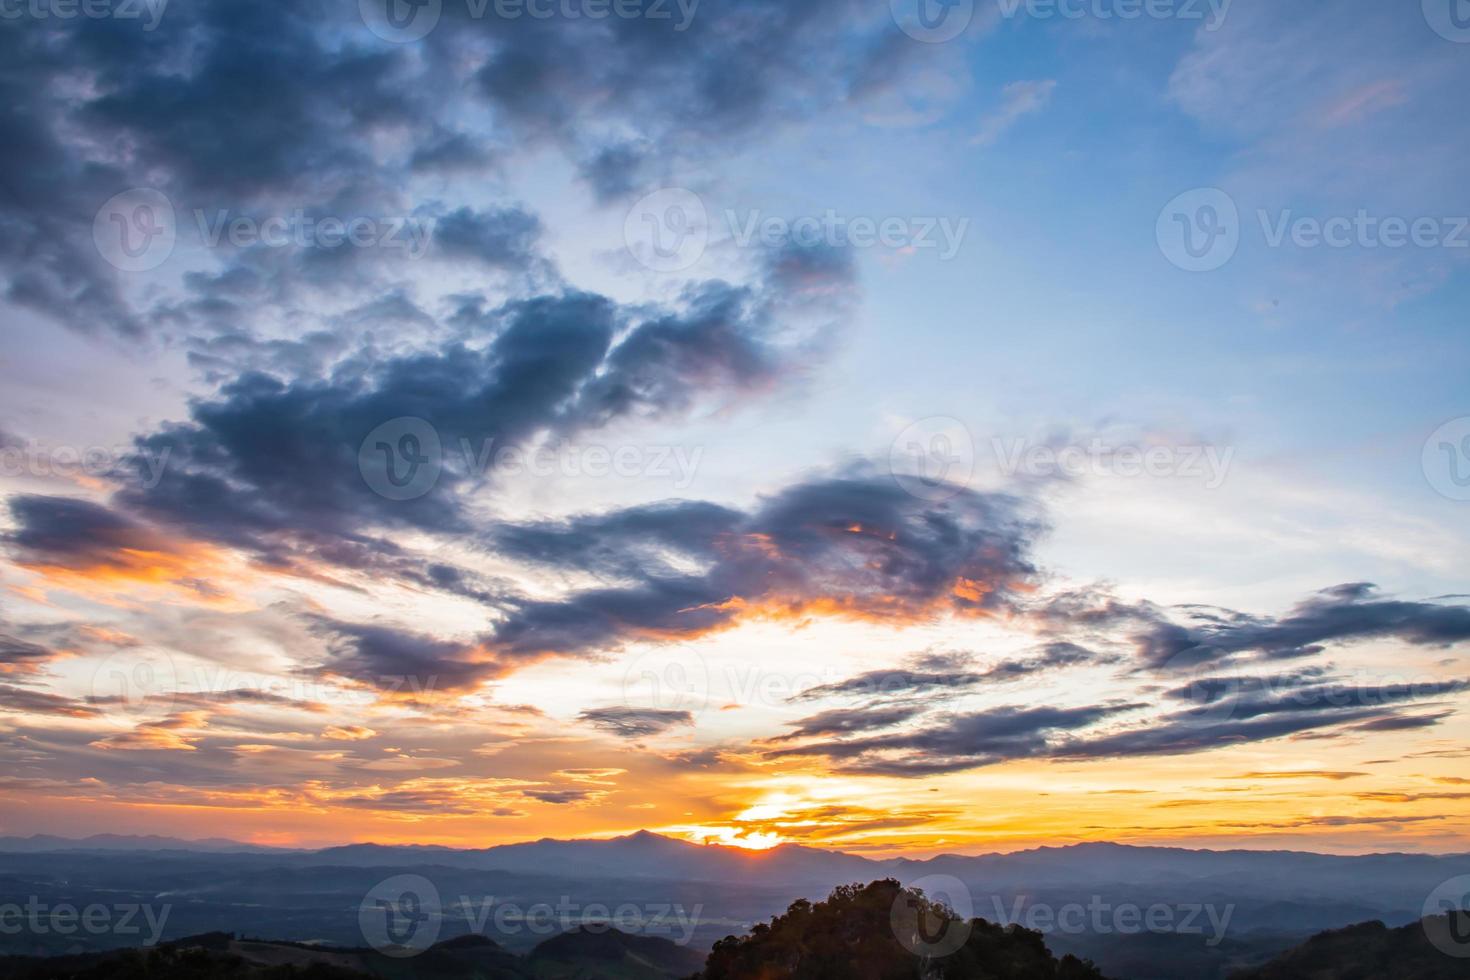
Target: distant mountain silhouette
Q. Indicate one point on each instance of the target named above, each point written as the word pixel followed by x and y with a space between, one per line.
pixel 1373 951
pixel 609 954
pixel 640 855
pixel 46 843
pixel 579 955
pixel 1247 906
pixel 856 935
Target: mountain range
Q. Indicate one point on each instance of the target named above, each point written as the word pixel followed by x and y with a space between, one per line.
pixel 1243 907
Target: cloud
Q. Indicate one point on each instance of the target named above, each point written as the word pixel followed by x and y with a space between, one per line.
pixel 562 797
pixel 1340 614
pixel 74 542
pixel 277 467
pixel 1018 99
pixel 347 733
pixel 176 733
pixel 401 663
pixel 1335 776
pixel 34 702
pixel 501 237
pixel 19 657
pixel 635 722
pixel 855 547
pixel 258 112
pixel 1224 712
pixel 1253 712
pixel 956 742
pixel 935 674
pixel 848 721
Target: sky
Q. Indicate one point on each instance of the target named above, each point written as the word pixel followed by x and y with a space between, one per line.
pixel 906 427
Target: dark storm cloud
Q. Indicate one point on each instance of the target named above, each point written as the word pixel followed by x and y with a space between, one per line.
pixel 635 722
